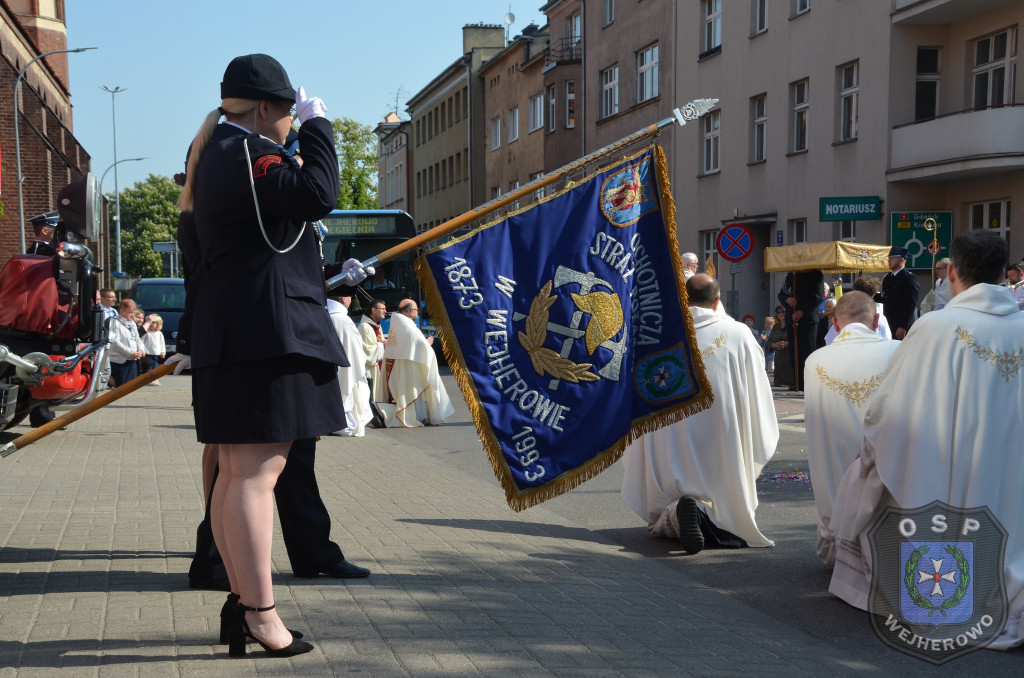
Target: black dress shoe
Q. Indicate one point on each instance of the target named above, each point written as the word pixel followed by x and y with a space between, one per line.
pixel 209 584
pixel 690 535
pixel 340 570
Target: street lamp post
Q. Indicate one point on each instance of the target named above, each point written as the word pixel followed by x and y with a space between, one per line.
pixel 117 216
pixel 17 137
pixel 117 193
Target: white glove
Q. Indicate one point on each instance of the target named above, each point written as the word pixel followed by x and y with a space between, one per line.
pixel 354 272
pixel 308 108
pixel 181 362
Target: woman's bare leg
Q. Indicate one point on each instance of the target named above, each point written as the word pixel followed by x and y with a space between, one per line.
pixel 246 527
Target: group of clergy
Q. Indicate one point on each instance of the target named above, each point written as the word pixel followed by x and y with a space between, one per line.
pixel 403 385
pixel 936 416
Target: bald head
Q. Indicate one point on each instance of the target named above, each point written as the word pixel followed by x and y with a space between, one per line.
pixel 856 307
pixel 407 307
pixel 703 291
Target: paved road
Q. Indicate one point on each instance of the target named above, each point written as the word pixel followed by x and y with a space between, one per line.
pixel 97 523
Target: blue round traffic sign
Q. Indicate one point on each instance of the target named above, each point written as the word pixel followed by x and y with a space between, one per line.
pixel 734 242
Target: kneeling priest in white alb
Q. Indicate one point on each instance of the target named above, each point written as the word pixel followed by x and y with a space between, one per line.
pixel 946 424
pixel 839 380
pixel 695 479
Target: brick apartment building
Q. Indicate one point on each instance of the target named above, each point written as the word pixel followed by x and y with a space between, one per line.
pixel 51 157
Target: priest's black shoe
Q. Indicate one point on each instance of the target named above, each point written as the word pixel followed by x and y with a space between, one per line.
pixel 690 535
pixel 340 570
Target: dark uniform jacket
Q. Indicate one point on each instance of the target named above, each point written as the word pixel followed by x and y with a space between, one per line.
pixel 809 294
pixel 899 295
pixel 250 302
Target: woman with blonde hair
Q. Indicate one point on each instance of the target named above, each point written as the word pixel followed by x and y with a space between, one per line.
pixel 263 371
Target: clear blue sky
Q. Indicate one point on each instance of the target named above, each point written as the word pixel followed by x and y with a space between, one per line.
pixel 169 58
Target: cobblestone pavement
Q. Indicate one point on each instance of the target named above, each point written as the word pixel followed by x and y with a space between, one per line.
pixel 97 523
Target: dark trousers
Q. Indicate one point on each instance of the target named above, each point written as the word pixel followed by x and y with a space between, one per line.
pixel 124 372
pixel 305 523
pixel 801 345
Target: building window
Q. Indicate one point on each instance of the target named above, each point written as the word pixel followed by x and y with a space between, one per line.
pixel 798 231
pixel 759 124
pixel 801 102
pixel 442 116
pixel 465 165
pixel 609 12
pixel 513 123
pixel 926 94
pixel 992 216
pixel 994 69
pixel 848 231
pixel 458 166
pixel 495 192
pixel 647 73
pixel 570 104
pixel 708 249
pixel 442 178
pixel 536 116
pixel 465 102
pixel 849 90
pixel 609 91
pixel 574 31
pixel 450 111
pixel 759 16
pixel 551 108
pixel 712 150
pixel 712 40
pixel 451 170
pixel 798 7
pixel 495 132
pixel 458 106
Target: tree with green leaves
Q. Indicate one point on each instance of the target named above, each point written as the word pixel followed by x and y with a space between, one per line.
pixel 357 153
pixel 149 213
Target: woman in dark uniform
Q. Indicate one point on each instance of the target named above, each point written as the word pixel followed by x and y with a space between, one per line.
pixel 264 371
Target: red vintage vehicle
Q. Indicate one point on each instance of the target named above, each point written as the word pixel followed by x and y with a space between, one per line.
pixel 52 333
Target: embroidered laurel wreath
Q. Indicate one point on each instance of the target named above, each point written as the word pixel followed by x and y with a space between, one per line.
pixel 544 360
pixel 961 587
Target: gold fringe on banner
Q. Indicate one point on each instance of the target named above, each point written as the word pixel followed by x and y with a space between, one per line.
pixel 518 499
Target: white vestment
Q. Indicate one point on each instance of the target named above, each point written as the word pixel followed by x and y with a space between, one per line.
pixel 373 349
pixel 419 395
pixel 946 423
pixel 716 455
pixel 839 380
pixel 1018 296
pixel 937 298
pixel 355 392
pixel 882 331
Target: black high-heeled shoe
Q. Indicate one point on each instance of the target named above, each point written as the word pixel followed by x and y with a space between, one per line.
pixel 240 631
pixel 227 618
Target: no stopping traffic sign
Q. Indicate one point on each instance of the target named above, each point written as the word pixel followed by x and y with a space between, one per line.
pixel 734 242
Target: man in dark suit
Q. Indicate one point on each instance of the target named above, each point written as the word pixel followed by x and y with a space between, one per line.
pixel 801 295
pixel 899 295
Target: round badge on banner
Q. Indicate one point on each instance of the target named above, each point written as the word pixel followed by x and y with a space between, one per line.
pixel 734 242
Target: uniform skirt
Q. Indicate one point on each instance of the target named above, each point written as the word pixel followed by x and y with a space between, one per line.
pixel 267 401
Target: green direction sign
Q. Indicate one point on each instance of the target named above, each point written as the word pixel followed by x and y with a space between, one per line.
pixel 909 230
pixel 857 208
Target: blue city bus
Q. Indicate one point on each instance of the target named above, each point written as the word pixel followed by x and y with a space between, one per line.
pixel 361 234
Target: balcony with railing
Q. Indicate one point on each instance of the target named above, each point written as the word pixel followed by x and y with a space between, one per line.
pixel 966 143
pixel 564 50
pixel 940 11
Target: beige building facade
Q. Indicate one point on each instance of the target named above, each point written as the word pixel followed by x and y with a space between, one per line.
pixel 514 86
pixel 913 112
pixel 394 164
pixel 837 120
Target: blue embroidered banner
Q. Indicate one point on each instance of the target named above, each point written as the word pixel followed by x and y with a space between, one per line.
pixel 567 328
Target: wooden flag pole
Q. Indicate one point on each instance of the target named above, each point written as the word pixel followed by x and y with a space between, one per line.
pixel 85 409
pixel 690 111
